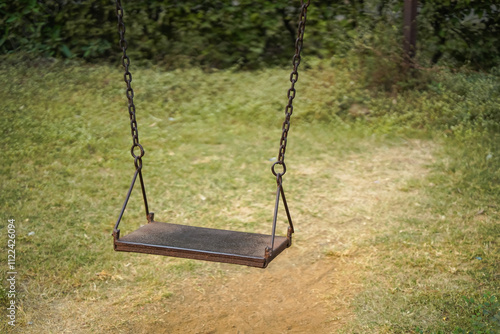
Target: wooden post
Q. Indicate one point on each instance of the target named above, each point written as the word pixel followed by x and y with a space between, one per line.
pixel 410 28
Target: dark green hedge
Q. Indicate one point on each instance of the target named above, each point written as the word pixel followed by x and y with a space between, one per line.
pixel 215 33
pixel 242 32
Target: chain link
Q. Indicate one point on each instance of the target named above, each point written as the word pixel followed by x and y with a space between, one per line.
pixel 127 77
pixel 294 77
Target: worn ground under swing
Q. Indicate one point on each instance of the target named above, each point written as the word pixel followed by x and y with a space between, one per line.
pixel 309 288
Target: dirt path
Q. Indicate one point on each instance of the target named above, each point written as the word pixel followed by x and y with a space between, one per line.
pixel 308 289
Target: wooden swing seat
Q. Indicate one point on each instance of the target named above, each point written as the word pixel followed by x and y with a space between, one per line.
pixel 202 243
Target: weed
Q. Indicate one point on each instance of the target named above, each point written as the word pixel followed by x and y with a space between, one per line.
pixel 484 315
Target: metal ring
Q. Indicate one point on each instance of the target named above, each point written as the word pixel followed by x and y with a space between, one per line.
pixel 282 163
pixel 140 148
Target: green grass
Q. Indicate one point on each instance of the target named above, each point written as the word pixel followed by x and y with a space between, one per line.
pixel 210 139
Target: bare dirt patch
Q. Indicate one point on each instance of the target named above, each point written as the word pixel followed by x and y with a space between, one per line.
pixel 308 289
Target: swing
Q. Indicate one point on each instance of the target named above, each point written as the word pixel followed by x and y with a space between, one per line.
pixel 200 243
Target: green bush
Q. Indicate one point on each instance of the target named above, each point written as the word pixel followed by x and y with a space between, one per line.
pixel 246 33
pixel 212 33
pixel 484 317
pixel 57 28
pixel 461 31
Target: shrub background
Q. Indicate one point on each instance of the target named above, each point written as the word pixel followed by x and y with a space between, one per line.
pixel 246 33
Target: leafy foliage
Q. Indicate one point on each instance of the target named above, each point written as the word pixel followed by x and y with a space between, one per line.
pixel 246 33
pixel 485 318
pixel 57 28
pixel 463 30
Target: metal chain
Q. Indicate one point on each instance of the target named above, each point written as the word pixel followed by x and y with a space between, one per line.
pixel 294 76
pixel 127 76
